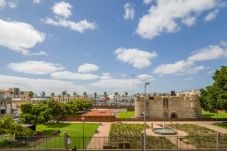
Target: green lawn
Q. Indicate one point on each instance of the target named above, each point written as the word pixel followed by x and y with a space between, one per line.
pixel 75 131
pixel 129 114
pixel 214 115
pixel 221 125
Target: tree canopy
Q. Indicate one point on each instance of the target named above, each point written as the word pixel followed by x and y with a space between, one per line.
pixel 214 97
pixel 44 111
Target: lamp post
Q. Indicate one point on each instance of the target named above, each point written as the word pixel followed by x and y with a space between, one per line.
pixel 145 98
pixel 83 118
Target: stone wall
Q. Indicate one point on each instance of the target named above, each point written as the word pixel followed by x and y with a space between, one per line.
pixel 169 106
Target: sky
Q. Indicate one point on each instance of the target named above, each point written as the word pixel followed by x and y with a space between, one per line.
pixel 100 45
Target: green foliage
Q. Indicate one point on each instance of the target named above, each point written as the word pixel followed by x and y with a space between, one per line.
pixel 9 126
pixel 44 111
pixel 214 97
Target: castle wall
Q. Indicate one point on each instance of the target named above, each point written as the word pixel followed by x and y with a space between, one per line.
pixel 169 107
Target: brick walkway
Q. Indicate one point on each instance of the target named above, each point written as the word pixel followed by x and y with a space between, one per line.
pixel 100 138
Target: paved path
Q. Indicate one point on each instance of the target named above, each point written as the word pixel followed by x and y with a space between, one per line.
pixel 100 138
pixel 213 127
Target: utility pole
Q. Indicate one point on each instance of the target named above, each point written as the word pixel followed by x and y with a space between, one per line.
pixel 145 98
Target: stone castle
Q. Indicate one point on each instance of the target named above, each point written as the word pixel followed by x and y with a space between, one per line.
pixel 173 106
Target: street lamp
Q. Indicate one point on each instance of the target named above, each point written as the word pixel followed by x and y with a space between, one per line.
pixel 133 75
pixel 144 139
pixel 83 118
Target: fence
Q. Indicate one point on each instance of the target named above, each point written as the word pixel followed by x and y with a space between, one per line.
pixel 89 143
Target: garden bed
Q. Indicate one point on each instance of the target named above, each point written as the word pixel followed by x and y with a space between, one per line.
pixel 200 137
pixel 131 133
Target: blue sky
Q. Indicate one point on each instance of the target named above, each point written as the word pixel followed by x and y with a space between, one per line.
pixel 96 46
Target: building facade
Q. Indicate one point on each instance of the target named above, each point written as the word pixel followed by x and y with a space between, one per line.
pixel 173 106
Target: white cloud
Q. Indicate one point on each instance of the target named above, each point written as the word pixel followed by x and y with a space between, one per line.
pixel 36 1
pixel 211 16
pixel 19 36
pixel 167 15
pixel 35 67
pixel 39 85
pixel 115 83
pixel 80 26
pixel 8 3
pixel 63 12
pixel 138 58
pixel 148 1
pixel 212 52
pixel 3 4
pixel 129 12
pixel 62 9
pixel 145 77
pixel 73 76
pixel 106 76
pixel 87 67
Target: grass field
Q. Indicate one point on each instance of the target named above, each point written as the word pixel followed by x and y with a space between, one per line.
pixel 75 131
pixel 221 125
pixel 129 114
pixel 214 115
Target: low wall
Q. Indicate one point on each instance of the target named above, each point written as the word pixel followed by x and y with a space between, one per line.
pixel 90 118
pixel 172 119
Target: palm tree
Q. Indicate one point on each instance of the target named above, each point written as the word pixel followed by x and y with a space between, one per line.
pixel 105 95
pixel 85 95
pixel 31 94
pixel 68 95
pixel 95 96
pixel 59 97
pixel 115 96
pixel 126 97
pixel 52 94
pixel 74 94
pixel 64 93
pixel 43 94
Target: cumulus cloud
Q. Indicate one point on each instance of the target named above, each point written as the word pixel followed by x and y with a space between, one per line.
pixel 167 16
pixel 145 77
pixel 35 67
pixel 211 16
pixel 212 52
pixel 87 67
pixel 8 3
pixel 20 37
pixel 106 76
pixel 63 12
pixel 36 1
pixel 136 57
pixel 62 9
pixel 73 76
pixel 147 1
pixel 129 12
pixel 38 85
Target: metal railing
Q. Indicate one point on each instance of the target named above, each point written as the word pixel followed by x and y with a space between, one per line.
pixel 117 142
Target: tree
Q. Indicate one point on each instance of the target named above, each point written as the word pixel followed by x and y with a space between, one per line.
pixel 126 97
pixel 105 95
pixel 43 94
pixel 59 97
pixel 95 96
pixel 64 93
pixel 68 95
pixel 31 94
pixel 74 95
pixel 85 95
pixel 116 97
pixel 214 97
pixel 52 94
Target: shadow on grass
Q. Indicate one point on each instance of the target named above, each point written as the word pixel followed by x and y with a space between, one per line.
pixel 57 125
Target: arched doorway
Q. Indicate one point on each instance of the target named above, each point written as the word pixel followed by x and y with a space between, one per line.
pixel 173 115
